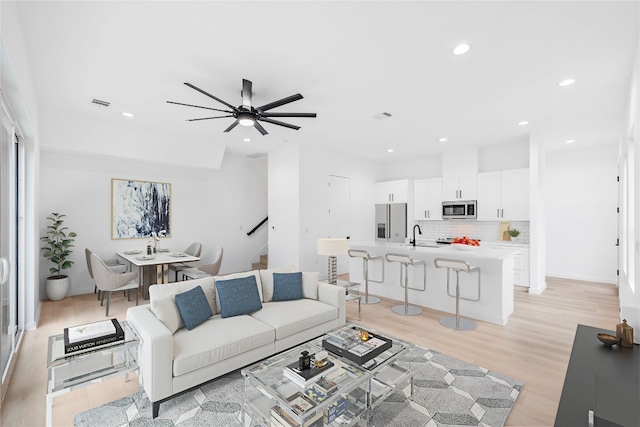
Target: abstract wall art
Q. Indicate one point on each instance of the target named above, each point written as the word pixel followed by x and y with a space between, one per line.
pixel 139 208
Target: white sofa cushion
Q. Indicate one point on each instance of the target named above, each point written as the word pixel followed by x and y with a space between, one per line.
pixel 166 310
pixel 217 339
pixel 310 285
pixel 255 273
pixel 291 317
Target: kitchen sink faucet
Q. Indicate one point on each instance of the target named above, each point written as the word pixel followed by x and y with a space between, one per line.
pixel 413 242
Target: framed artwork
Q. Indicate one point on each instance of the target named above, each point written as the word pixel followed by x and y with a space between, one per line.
pixel 139 208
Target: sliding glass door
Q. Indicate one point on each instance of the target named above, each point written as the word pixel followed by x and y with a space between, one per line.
pixel 8 242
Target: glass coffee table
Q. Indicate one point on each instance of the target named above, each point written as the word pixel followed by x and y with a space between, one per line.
pixel 67 373
pixel 272 399
pixel 387 375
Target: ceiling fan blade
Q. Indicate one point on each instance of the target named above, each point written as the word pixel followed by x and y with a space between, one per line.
pixel 234 124
pixel 198 106
pixel 260 128
pixel 280 102
pixel 210 96
pixel 279 123
pixel 246 93
pixel 208 118
pixel 288 115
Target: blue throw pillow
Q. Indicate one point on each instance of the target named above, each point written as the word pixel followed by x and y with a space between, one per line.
pixel 193 307
pixel 238 296
pixel 287 286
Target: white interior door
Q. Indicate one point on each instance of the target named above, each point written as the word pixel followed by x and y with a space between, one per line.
pixel 338 201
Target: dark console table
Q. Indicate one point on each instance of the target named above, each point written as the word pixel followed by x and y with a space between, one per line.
pixel 603 379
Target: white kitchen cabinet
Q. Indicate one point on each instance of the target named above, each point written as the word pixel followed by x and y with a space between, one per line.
pixel 462 187
pixel 503 195
pixel 427 199
pixel 520 261
pixel 392 191
pixel 459 169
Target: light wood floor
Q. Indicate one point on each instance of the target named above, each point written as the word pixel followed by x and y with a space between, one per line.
pixel 534 347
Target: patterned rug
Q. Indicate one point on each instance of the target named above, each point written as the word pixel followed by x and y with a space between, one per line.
pixel 446 392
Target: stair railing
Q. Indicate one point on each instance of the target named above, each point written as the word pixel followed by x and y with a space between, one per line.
pixel 253 230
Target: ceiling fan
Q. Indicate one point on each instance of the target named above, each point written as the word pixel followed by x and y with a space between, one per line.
pixel 246 114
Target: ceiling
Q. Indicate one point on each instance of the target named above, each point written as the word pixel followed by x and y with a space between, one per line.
pixel 351 60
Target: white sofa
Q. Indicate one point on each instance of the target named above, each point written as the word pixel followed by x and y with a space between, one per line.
pixel 174 359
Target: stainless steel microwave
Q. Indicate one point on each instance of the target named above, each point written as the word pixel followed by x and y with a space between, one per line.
pixel 459 209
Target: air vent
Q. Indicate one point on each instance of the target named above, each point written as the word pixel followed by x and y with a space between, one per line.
pixel 100 102
pixel 256 155
pixel 383 115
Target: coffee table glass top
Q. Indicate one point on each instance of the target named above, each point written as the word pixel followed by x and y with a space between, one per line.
pixel 267 387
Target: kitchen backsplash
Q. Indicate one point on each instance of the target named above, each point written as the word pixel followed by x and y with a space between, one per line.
pixel 483 230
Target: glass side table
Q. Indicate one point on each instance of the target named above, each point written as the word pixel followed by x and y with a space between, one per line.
pixel 67 373
pixel 349 287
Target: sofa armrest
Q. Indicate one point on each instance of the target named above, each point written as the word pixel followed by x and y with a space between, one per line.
pixel 333 295
pixel 155 354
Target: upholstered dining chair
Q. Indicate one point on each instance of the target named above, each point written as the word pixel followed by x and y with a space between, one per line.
pixel 113 265
pixel 204 270
pixel 194 249
pixel 108 281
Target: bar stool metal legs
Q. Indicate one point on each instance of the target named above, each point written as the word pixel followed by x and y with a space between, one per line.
pixel 458 323
pixel 405 261
pixel 357 253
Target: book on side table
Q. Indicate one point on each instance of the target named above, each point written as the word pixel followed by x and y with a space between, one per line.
pixel 92 336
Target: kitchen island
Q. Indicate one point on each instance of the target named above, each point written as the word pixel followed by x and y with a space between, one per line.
pixel 496 270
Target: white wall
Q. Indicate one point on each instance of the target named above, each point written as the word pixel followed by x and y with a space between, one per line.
pixel 581 220
pixel 298 178
pixel 284 206
pixel 214 207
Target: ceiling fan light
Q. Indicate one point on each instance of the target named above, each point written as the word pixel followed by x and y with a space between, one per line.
pixel 246 122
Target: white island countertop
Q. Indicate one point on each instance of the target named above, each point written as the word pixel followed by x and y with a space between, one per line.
pixel 496 270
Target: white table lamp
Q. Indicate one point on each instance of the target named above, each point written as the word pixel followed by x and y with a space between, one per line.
pixel 332 248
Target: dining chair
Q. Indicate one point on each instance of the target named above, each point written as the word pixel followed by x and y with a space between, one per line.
pixel 204 270
pixel 108 281
pixel 113 265
pixel 194 249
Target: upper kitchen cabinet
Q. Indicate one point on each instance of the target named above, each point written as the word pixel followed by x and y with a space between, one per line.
pixel 427 199
pixel 503 195
pixel 459 169
pixel 392 191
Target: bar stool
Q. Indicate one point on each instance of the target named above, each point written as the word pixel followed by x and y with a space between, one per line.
pixel 458 265
pixel 406 261
pixel 357 253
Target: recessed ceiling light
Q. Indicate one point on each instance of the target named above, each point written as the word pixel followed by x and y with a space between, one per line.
pixel 247 139
pixel 566 82
pixel 570 141
pixel 390 150
pixel 124 113
pixel 461 49
pixel 523 123
pixel 442 139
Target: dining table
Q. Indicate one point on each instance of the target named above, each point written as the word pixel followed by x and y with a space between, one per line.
pixel 154 268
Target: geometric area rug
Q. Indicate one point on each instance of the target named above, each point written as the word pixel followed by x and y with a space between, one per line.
pixel 446 392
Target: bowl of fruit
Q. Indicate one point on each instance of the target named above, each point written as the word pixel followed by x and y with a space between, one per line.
pixel 465 244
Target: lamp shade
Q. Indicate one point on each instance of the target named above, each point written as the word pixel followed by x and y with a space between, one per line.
pixel 333 247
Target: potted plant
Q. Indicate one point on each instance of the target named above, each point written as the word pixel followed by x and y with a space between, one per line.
pixel 514 233
pixel 59 242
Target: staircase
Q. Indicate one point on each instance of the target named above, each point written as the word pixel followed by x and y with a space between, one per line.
pixel 262 264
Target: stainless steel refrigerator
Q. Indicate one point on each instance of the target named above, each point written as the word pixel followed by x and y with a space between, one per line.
pixel 391 222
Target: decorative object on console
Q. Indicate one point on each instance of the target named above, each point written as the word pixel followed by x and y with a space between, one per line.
pixel 246 114
pixel 607 339
pixel 139 208
pixel 514 233
pixel 332 247
pixel 625 333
